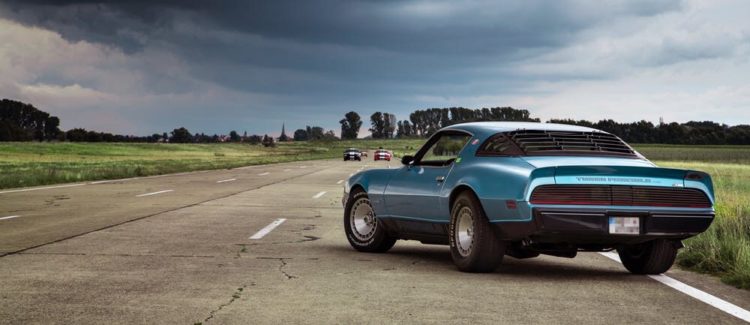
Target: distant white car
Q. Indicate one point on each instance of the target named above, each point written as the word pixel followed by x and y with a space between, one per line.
pixel 352 154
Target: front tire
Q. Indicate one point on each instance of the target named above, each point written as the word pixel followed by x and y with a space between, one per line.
pixel 474 246
pixel 365 232
pixel 654 257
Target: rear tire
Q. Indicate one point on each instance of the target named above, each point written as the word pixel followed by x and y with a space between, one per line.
pixel 365 232
pixel 474 246
pixel 654 257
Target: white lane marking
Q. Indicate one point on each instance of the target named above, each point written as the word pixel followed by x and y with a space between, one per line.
pixel 340 181
pixel 352 174
pixel 703 296
pixel 42 188
pixel 226 180
pixel 154 193
pixel 321 193
pixel 261 233
pixel 302 167
pixel 99 182
pixel 263 174
pixel 286 170
pixel 9 217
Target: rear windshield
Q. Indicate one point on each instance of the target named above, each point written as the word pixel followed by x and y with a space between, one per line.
pixel 560 143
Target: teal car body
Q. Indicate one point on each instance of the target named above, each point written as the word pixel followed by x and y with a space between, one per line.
pixel 537 182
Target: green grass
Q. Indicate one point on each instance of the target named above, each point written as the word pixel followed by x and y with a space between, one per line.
pixel 723 250
pixel 30 163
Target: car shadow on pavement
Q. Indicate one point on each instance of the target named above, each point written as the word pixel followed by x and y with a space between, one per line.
pixel 543 267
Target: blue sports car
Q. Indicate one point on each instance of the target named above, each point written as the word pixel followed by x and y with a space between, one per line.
pixel 490 189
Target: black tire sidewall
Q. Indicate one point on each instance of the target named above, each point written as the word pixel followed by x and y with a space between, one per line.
pixel 656 257
pixel 486 251
pixel 379 242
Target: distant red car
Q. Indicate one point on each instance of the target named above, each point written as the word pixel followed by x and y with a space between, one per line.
pixel 382 155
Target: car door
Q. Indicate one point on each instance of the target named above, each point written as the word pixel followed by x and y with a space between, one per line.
pixel 414 191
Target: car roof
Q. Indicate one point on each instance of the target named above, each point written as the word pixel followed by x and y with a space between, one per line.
pixel 484 129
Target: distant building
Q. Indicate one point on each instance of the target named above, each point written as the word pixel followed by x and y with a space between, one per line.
pixel 283 137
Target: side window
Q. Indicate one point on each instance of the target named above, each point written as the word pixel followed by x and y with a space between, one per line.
pixel 444 150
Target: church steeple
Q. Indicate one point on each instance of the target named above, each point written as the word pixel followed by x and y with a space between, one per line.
pixel 283 136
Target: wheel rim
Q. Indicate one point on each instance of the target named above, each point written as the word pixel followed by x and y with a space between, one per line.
pixel 362 220
pixel 464 231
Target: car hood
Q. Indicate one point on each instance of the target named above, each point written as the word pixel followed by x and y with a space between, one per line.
pixel 553 161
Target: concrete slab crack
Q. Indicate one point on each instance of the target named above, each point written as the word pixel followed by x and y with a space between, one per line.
pixel 281 267
pixel 236 295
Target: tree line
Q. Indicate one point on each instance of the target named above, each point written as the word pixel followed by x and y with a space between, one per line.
pixel 24 122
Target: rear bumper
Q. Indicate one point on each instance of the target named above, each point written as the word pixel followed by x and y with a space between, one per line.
pixel 591 226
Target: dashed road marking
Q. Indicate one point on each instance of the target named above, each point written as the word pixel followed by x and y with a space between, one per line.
pixel 263 174
pixel 9 217
pixel 154 193
pixel 352 174
pixel 286 170
pixel 340 181
pixel 321 193
pixel 226 180
pixel 705 297
pixel 263 232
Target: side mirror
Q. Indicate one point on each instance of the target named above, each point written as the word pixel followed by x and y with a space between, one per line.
pixel 407 160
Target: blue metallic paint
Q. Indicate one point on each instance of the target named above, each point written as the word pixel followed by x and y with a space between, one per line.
pixel 405 193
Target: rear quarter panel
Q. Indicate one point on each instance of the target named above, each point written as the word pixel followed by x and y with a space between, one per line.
pixel 494 180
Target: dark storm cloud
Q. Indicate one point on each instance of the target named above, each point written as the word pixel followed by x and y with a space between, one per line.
pixel 241 44
pixel 316 54
pixel 453 27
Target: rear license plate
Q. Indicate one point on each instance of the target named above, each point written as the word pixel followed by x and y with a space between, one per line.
pixel 624 225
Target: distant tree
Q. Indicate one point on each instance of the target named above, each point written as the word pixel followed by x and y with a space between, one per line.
pixel 181 135
pixel 93 136
pixel 268 141
pixel 350 125
pixel 300 135
pixel 76 135
pixel 377 125
pixel 234 136
pixel 24 122
pixel 404 129
pixel 330 135
pixel 389 125
pixel 315 133
pixel 51 128
pixel 255 139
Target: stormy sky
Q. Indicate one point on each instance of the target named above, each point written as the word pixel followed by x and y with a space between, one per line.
pixel 139 67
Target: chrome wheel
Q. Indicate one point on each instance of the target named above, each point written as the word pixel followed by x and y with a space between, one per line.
pixel 464 231
pixel 362 220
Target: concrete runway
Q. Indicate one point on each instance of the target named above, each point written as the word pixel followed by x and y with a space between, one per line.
pixel 176 249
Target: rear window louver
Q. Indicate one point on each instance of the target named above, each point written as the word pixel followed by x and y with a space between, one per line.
pixel 537 142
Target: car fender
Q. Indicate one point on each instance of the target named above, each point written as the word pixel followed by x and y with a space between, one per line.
pixel 373 182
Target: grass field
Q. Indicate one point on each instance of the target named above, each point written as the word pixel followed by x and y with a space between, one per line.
pixel 723 250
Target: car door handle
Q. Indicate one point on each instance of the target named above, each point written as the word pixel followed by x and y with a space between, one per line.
pixel 440 179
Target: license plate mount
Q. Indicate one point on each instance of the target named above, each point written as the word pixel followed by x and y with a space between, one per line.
pixel 625 225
